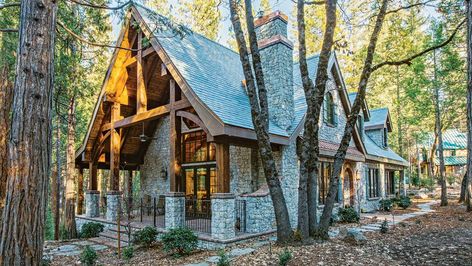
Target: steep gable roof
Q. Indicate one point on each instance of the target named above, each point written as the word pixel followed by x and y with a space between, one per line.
pixel 379 118
pixel 374 152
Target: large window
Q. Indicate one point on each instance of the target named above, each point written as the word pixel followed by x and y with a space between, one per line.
pixel 390 182
pixel 196 148
pixel 324 173
pixel 374 184
pixel 330 110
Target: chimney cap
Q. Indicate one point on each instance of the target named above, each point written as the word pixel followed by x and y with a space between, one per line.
pixel 270 17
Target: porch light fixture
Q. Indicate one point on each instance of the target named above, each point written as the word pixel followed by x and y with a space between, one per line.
pixel 164 173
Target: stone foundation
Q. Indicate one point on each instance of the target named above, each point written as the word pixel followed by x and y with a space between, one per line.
pixel 92 203
pixel 175 210
pixel 113 203
pixel 223 216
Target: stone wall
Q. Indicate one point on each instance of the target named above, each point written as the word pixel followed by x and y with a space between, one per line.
pixel 156 158
pixel 241 180
pixel 223 216
pixel 260 216
pixel 290 173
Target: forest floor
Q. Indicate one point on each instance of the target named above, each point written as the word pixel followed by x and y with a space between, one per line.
pixel 443 237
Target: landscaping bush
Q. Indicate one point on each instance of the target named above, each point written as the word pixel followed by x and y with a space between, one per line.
pixel 128 252
pixel 386 205
pixel 179 241
pixel 145 236
pixel 88 256
pixel 223 260
pixel 348 215
pixel 384 227
pixel 404 202
pixel 91 229
pixel 285 257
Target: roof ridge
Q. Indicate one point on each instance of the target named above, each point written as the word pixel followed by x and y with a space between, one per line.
pixel 193 32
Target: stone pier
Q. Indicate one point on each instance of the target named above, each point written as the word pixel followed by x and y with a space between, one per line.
pixel 113 203
pixel 92 203
pixel 175 210
pixel 223 216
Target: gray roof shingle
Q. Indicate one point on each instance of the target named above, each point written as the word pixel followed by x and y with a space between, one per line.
pixel 377 117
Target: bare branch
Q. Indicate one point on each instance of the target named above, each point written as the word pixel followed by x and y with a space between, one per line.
pixel 8 30
pixel 101 6
pixel 9 5
pixel 409 6
pixel 407 61
pixel 311 2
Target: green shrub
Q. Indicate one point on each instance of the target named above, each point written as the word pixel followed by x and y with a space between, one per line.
pixel 179 241
pixel 348 215
pixel 384 227
pixel 145 236
pixel 223 260
pixel 88 256
pixel 285 257
pixel 404 202
pixel 91 229
pixel 128 252
pixel 386 205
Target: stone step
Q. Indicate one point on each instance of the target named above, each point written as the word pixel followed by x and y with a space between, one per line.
pixel 114 236
pixel 108 242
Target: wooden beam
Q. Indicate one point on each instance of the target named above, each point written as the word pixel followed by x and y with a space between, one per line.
pixel 92 176
pixel 222 167
pixel 141 97
pixel 115 140
pixel 148 115
pixel 175 146
pixel 80 191
pixel 194 118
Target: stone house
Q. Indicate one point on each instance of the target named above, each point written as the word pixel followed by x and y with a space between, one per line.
pixel 177 115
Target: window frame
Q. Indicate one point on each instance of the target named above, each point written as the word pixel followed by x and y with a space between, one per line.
pixel 373 186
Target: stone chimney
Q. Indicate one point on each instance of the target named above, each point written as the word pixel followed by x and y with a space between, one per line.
pixel 277 63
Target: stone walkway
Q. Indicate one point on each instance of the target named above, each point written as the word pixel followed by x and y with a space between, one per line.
pixel 393 220
pixel 70 249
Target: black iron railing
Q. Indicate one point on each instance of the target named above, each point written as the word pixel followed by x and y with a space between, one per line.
pixel 198 215
pixel 240 216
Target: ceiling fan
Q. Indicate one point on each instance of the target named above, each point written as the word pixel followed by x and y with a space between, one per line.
pixel 143 137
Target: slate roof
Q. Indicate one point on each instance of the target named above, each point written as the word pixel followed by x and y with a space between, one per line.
pixel 352 97
pixel 452 160
pixel 377 117
pixel 373 149
pixel 214 73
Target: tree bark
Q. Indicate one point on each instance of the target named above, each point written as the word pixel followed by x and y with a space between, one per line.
pixel 6 98
pixel 58 181
pixel 469 105
pixel 351 121
pixel 29 148
pixel 260 116
pixel 438 126
pixel 69 221
pixel 463 189
pixel 309 146
pixel 80 191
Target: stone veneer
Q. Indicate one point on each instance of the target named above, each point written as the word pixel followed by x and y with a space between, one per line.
pixel 113 203
pixel 175 210
pixel 223 216
pixel 92 203
pixel 376 135
pixel 260 216
pixel 156 158
pixel 289 173
pixel 241 177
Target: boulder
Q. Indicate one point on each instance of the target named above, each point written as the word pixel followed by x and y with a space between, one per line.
pixel 421 195
pixel 355 236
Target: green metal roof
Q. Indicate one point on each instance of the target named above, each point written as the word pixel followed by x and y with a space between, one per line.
pixel 452 160
pixel 453 139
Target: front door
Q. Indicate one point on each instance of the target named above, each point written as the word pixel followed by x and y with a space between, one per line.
pixel 198 188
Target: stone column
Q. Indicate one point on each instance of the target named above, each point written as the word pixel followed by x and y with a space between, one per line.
pixel 175 210
pixel 92 203
pixel 223 218
pixel 113 202
pixel 402 183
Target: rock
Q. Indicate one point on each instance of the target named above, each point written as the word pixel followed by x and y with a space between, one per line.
pixel 421 195
pixel 355 236
pixel 240 251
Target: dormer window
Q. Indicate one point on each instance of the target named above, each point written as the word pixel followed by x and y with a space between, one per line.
pixel 385 138
pixel 330 110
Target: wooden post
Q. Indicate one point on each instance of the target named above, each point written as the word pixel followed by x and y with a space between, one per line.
pixel 92 176
pixel 115 140
pixel 141 97
pixel 175 145
pixel 80 191
pixel 222 167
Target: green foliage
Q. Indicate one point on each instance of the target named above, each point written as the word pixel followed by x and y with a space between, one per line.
pixel 145 236
pixel 384 227
pixel 427 183
pixel 88 256
pixel 348 215
pixel 385 205
pixel 49 224
pixel 91 229
pixel 285 257
pixel 403 202
pixel 128 252
pixel 179 241
pixel 223 260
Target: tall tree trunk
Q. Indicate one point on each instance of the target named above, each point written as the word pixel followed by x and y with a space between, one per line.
pixel 57 182
pixel 260 116
pixel 438 126
pixel 351 121
pixel 399 115
pixel 6 98
pixel 469 105
pixel 463 188
pixel 29 146
pixel 70 227
pixel 418 161
pixel 309 146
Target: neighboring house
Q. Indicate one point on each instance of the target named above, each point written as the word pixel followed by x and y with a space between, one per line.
pixel 178 113
pixel 455 153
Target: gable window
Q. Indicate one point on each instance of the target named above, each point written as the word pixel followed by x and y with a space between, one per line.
pixel 373 183
pixel 196 148
pixel 324 173
pixel 330 110
pixel 385 138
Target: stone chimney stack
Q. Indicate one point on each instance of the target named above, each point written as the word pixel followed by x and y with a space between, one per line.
pixel 277 63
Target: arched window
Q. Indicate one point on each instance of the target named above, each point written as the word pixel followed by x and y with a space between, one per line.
pixel 330 110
